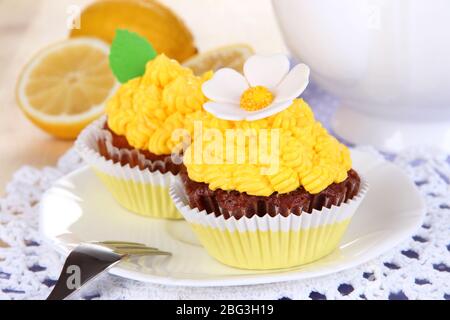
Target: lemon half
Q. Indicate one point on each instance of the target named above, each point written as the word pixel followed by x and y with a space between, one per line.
pixel 161 26
pixel 65 85
pixel 231 56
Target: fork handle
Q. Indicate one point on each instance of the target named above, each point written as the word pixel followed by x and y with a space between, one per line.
pixel 83 264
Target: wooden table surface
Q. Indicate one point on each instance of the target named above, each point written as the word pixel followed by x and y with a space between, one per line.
pixel 28 25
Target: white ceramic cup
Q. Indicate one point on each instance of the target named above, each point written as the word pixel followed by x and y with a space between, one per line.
pixel 388 62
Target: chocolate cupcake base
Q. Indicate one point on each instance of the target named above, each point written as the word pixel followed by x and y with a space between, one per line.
pixel 237 204
pixel 143 159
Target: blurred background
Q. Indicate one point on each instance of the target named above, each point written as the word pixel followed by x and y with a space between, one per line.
pixel 29 25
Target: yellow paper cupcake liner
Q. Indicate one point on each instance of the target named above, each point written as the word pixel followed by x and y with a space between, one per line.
pixel 263 243
pixel 270 249
pixel 141 191
pixel 142 198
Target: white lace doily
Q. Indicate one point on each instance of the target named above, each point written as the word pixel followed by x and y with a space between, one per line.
pixel 419 268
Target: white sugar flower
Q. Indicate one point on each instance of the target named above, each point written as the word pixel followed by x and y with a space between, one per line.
pixel 267 88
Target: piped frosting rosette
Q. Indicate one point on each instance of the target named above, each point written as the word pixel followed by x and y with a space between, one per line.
pixel 135 148
pixel 245 215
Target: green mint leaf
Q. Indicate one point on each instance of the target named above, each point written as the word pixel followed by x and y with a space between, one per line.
pixel 129 54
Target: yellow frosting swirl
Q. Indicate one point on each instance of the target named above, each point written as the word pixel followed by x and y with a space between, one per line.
pixel 147 110
pixel 307 155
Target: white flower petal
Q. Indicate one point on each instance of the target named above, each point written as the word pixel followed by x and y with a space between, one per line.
pixel 227 85
pixel 225 111
pixel 267 112
pixel 293 84
pixel 267 71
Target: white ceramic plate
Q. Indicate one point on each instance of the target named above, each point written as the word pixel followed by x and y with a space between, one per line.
pixel 79 208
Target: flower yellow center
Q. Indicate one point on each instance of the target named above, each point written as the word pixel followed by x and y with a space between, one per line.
pixel 256 98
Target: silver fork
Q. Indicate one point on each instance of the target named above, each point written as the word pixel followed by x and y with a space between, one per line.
pixel 89 260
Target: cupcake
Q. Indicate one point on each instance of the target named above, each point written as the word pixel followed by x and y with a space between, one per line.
pixel 272 188
pixel 136 148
